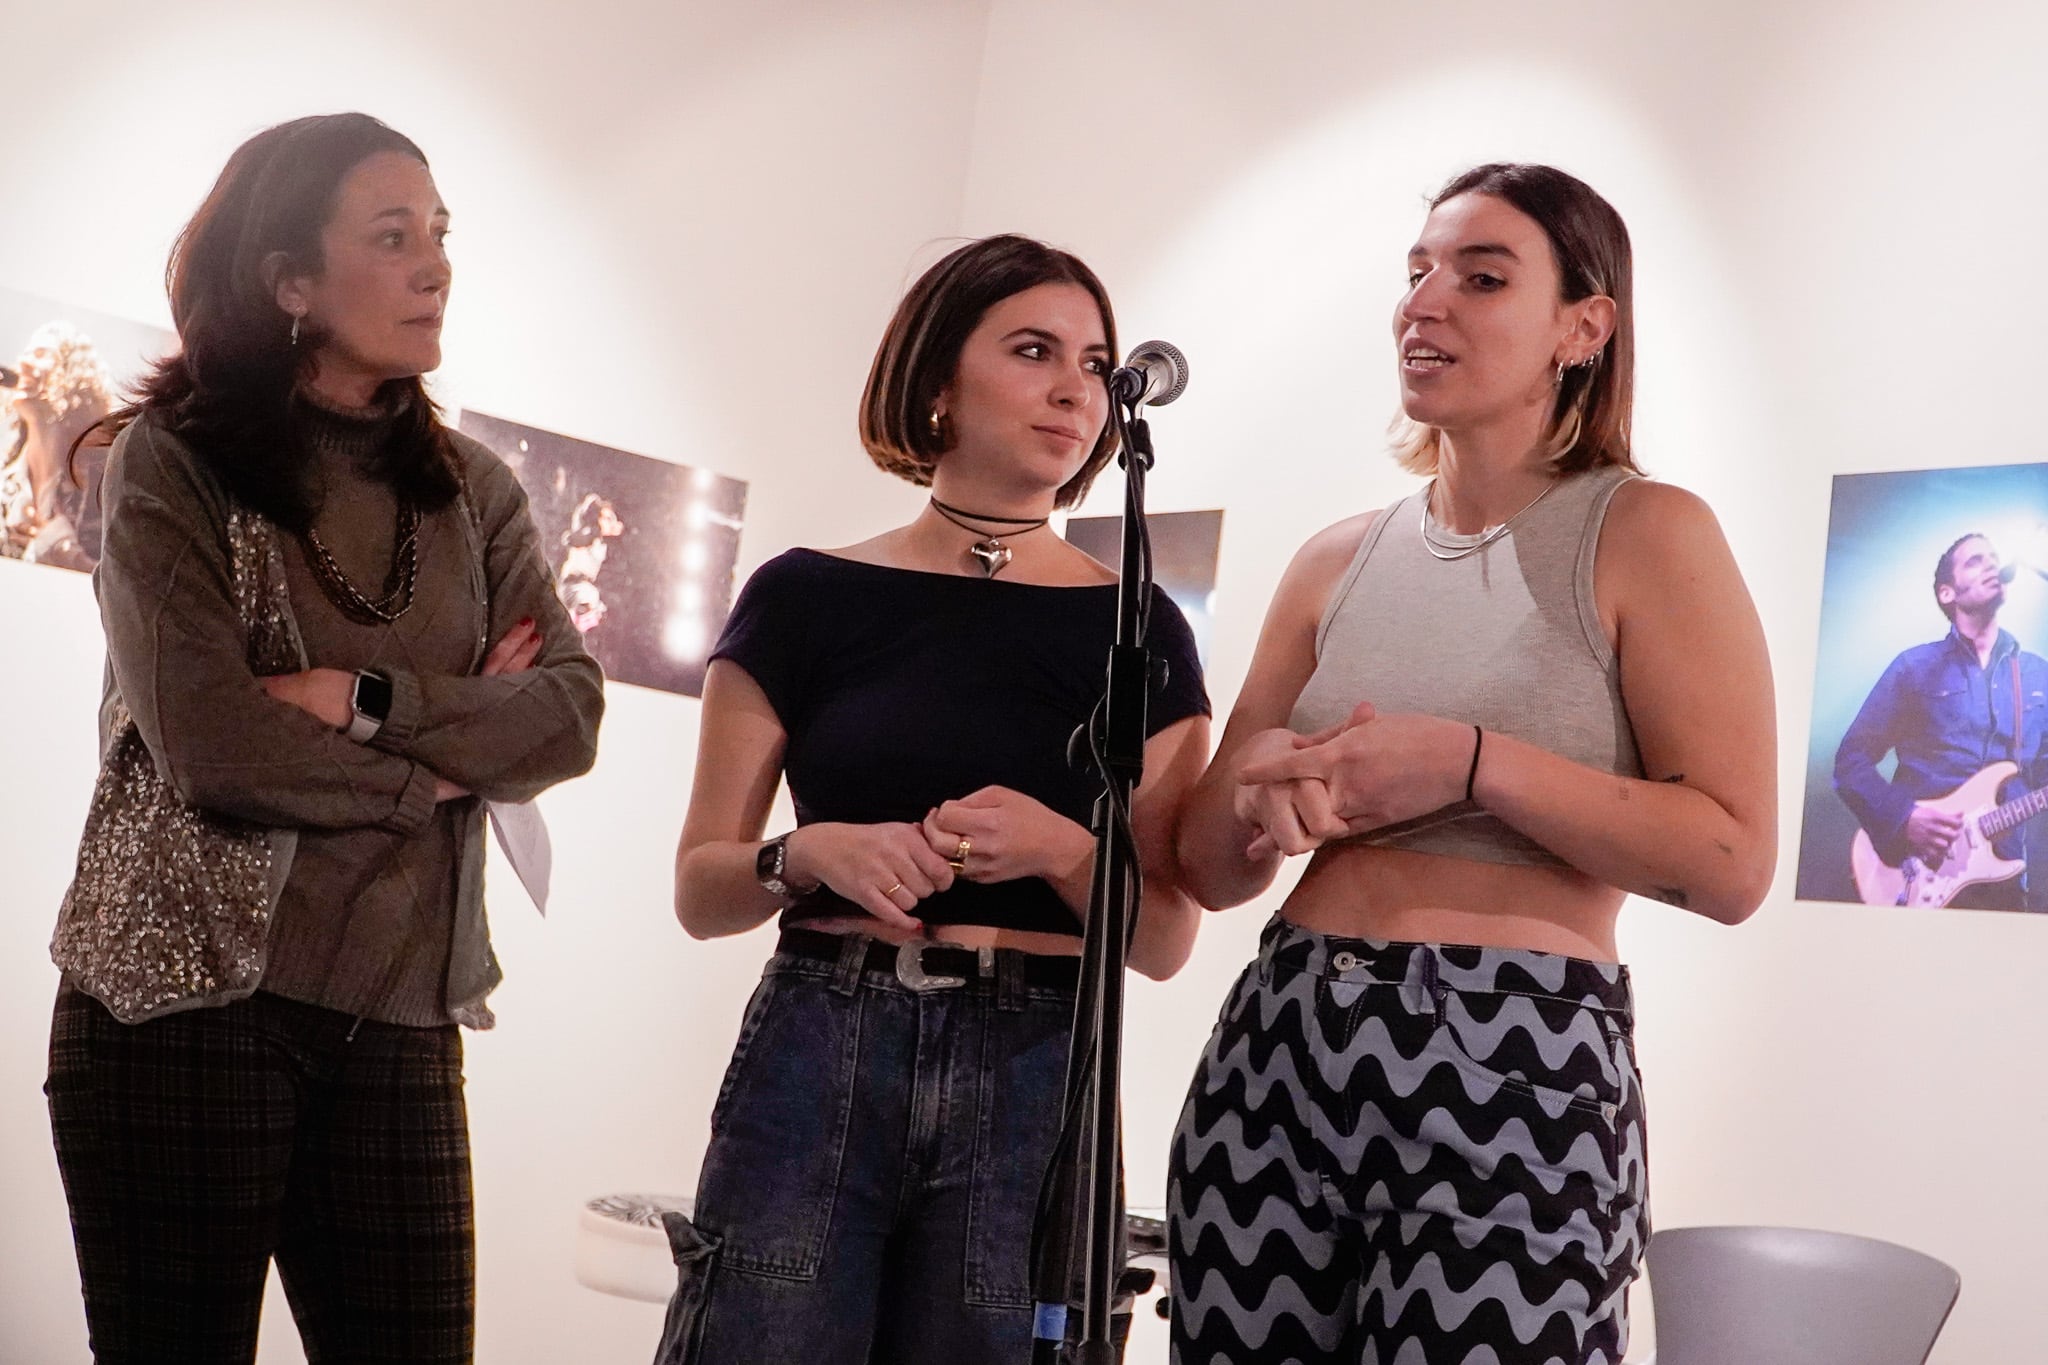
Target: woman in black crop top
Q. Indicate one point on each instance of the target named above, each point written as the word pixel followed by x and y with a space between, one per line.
pixel 1418 1129
pixel 878 1141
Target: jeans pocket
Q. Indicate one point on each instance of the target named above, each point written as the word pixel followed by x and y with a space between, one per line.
pixel 1550 1061
pixel 696 1257
pixel 1022 1084
pixel 757 1009
pixel 772 1172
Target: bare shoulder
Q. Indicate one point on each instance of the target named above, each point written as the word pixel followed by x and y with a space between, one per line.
pixel 1322 560
pixel 1651 517
pixel 1662 552
pixel 881 549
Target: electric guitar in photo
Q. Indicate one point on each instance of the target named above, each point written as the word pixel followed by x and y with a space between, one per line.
pixel 1970 860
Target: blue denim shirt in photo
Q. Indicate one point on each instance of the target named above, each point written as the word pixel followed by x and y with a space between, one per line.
pixel 1947 718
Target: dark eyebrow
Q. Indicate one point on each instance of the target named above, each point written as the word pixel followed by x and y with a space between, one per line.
pixel 1050 338
pixel 399 211
pixel 1476 249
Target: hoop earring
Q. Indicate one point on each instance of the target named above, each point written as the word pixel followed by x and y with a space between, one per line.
pixel 935 423
pixel 1558 382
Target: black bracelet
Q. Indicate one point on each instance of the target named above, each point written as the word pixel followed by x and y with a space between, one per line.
pixel 1478 738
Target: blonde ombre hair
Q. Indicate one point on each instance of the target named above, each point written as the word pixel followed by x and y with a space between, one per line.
pixel 1589 418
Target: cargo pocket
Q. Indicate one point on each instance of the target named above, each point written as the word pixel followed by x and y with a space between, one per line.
pixel 696 1256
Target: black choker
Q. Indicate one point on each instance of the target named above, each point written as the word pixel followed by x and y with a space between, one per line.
pixel 989 552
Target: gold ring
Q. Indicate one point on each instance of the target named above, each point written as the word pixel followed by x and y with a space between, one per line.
pixel 960 853
pixel 894 889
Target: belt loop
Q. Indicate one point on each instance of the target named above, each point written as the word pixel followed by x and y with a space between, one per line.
pixel 1269 947
pixel 1433 988
pixel 1011 991
pixel 853 956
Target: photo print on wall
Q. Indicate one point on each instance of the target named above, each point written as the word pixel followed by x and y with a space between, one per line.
pixel 1927 762
pixel 1184 548
pixel 642 550
pixel 62 369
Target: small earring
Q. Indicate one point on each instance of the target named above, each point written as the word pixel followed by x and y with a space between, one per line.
pixel 1559 381
pixel 295 329
pixel 934 423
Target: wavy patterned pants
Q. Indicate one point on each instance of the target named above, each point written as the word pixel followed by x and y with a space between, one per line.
pixel 1410 1154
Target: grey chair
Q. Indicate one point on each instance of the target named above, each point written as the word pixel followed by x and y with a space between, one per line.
pixel 1794 1296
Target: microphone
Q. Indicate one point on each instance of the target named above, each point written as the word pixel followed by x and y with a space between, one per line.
pixel 1155 372
pixel 2008 572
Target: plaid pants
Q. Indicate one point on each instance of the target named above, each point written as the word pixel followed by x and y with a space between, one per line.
pixel 197 1147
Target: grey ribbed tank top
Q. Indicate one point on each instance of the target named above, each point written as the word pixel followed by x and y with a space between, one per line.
pixel 1507 638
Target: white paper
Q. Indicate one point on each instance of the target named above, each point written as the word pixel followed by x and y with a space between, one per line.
pixel 524 837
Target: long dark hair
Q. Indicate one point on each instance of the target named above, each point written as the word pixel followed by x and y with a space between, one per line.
pixel 228 391
pixel 921 350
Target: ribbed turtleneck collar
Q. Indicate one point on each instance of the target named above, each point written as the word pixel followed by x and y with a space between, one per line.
pixel 359 435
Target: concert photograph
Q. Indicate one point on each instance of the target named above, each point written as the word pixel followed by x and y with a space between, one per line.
pixel 641 549
pixel 1927 772
pixel 62 369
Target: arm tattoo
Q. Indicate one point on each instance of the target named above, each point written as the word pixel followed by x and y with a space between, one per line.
pixel 1675 777
pixel 1672 895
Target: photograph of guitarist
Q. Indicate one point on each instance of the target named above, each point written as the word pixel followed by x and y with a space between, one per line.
pixel 1950 710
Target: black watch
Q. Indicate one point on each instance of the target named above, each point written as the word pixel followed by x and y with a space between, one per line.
pixel 369 706
pixel 769 866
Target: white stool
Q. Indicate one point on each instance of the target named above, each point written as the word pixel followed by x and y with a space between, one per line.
pixel 622 1248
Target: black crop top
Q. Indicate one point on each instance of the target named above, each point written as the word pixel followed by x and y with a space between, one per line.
pixel 900 689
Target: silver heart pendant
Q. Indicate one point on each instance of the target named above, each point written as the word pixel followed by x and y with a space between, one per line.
pixel 991 554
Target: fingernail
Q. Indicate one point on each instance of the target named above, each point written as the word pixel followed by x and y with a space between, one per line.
pixel 526 623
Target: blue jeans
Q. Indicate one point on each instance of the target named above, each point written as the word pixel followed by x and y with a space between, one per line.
pixel 876 1151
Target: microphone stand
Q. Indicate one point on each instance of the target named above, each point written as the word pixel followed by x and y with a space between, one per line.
pixel 1116 737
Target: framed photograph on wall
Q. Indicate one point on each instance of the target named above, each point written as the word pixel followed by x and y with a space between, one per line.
pixel 1927 765
pixel 642 550
pixel 1184 549
pixel 62 369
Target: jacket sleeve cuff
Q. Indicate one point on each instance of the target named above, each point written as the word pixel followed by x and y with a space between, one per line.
pixel 402 725
pixel 415 803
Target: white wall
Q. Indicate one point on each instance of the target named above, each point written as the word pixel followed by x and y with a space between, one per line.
pixel 679 232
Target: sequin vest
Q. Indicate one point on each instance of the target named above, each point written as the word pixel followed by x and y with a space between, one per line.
pixel 170 906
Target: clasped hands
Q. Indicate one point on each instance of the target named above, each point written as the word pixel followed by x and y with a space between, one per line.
pixel 991 835
pixel 1298 792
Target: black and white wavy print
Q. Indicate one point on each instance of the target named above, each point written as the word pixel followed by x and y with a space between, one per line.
pixel 1432 1157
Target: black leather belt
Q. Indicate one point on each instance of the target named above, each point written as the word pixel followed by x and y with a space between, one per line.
pixel 936 966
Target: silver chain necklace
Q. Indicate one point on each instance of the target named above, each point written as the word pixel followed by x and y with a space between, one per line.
pixel 1449 550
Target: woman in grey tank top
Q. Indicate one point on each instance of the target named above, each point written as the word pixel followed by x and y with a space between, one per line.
pixel 1489 712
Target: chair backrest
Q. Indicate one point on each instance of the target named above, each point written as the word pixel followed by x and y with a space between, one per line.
pixel 1794 1296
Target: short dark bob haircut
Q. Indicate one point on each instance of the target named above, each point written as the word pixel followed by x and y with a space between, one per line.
pixel 228 390
pixel 920 351
pixel 1595 403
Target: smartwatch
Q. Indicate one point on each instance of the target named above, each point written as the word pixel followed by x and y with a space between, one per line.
pixel 369 705
pixel 771 863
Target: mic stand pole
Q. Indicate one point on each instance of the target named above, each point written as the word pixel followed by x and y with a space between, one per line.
pixel 1094 1057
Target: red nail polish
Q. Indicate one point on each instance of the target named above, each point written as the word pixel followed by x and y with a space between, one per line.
pixel 526 623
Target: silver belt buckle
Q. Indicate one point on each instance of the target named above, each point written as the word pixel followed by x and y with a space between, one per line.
pixel 910 970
